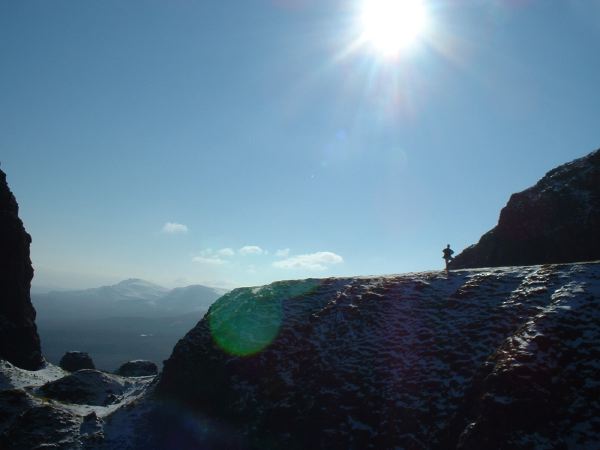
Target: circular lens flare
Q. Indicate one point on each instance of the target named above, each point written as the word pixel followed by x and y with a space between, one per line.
pixel 392 25
pixel 247 320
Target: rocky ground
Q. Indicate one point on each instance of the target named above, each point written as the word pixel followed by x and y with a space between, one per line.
pixel 53 408
pixel 503 358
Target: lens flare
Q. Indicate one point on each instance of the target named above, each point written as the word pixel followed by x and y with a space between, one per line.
pixel 247 320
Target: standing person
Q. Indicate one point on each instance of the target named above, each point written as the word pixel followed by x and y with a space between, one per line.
pixel 448 252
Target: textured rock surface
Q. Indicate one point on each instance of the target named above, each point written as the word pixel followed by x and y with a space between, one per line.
pixel 73 361
pixel 87 387
pixel 555 221
pixel 43 427
pixel 19 340
pixel 138 368
pixel 494 358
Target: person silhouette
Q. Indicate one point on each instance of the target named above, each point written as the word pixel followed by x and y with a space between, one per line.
pixel 448 252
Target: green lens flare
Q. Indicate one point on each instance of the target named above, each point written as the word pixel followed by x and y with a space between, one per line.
pixel 247 320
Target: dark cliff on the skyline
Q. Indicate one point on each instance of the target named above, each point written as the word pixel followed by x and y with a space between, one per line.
pixel 19 340
pixel 555 221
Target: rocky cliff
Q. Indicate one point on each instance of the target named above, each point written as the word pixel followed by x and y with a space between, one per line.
pixel 19 341
pixel 493 358
pixel 555 221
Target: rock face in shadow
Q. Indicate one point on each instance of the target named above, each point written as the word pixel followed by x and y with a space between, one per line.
pixel 555 221
pixel 419 361
pixel 19 340
pixel 74 361
pixel 138 368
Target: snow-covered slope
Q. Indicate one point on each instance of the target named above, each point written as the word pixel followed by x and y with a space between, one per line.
pixel 490 358
pixel 50 408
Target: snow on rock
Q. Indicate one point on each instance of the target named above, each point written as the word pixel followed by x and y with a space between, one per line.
pixel 87 387
pixel 545 376
pixel 13 377
pixel 50 408
pixel 412 361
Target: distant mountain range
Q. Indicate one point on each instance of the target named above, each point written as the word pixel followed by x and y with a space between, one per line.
pixel 133 319
pixel 129 298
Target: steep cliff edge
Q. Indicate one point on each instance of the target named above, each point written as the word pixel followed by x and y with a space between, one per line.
pixel 555 221
pixel 492 358
pixel 19 340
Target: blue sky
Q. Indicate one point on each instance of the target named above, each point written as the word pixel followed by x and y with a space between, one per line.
pixel 277 146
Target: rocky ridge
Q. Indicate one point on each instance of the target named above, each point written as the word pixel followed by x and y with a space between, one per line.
pixel 555 221
pixel 492 358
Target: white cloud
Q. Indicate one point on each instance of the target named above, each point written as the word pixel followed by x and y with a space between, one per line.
pixel 212 260
pixel 311 261
pixel 225 252
pixel 251 250
pixel 283 253
pixel 174 228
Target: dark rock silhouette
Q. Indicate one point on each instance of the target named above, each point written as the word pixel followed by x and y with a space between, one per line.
pixel 73 361
pixel 555 221
pixel 19 340
pixel 137 368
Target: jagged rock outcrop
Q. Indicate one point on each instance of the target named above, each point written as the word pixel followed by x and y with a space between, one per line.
pixel 74 361
pixel 138 368
pixel 494 358
pixel 19 340
pixel 555 221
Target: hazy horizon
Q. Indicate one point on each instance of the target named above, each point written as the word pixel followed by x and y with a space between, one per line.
pixel 231 145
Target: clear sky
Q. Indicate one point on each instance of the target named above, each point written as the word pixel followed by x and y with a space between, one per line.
pixel 240 142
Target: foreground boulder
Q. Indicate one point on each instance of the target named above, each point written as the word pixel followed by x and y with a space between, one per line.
pixel 19 340
pixel 416 361
pixel 73 361
pixel 555 221
pixel 137 368
pixel 42 427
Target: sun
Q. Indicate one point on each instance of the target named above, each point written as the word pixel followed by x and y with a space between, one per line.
pixel 392 26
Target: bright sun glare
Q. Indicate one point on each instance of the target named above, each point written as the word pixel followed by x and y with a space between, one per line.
pixel 391 26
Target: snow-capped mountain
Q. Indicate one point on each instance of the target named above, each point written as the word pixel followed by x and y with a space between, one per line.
pixel 132 288
pixel 490 358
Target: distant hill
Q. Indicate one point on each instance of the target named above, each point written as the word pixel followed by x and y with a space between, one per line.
pixel 555 221
pixel 133 319
pixel 129 298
